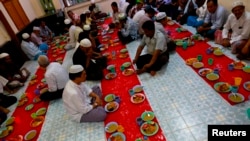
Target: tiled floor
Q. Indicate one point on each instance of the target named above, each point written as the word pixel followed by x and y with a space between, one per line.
pixel 182 101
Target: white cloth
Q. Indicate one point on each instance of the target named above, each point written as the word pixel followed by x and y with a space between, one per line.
pixel 157 42
pixel 218 18
pixel 3 82
pixel 142 19
pixel 187 6
pixel 36 39
pixel 240 27
pixel 122 5
pixel 72 38
pixel 56 76
pixel 78 30
pixel 116 17
pixel 76 100
pixel 138 15
pixel 30 49
pixel 201 12
pixel 160 27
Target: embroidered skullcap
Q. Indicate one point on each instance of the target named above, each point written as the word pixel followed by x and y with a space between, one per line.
pixel 86 27
pixel 3 55
pixel 139 1
pixel 67 21
pixel 160 15
pixel 25 35
pixel 237 3
pixel 85 43
pixel 76 69
pixel 36 28
pixel 122 16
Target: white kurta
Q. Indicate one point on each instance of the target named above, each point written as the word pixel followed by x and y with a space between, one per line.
pixel 3 82
pixel 56 76
pixel 76 100
pixel 30 49
pixel 240 27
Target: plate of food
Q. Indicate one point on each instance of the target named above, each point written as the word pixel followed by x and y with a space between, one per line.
pixel 123 55
pixel 10 121
pixel 205 71
pixel 110 67
pixel 137 98
pixel 179 43
pixel 128 72
pixel 22 101
pixel 246 69
pixel 124 50
pixel 149 128
pixel 5 131
pixel 111 106
pixel 147 116
pixel 197 65
pixel 110 76
pixel 41 111
pixel 37 121
pixel 239 64
pixel 111 127
pixel 29 107
pixel 222 87
pixel 246 85
pixel 190 61
pixel 236 97
pixel 212 76
pixel 117 136
pixel 137 88
pixel 218 52
pixel 109 98
pixel 126 64
pixel 30 135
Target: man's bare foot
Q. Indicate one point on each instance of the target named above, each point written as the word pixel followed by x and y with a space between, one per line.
pixel 152 73
pixel 140 71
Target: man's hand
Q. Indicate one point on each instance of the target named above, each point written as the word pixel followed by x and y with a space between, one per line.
pixel 134 61
pixel 200 28
pixel 225 42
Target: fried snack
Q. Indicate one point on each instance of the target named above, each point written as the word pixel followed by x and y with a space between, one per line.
pixel 111 106
pixel 149 128
pixel 223 87
pixel 190 61
pixel 205 72
pixel 116 138
pixel 138 98
pixel 111 76
pixel 248 86
pixel 238 65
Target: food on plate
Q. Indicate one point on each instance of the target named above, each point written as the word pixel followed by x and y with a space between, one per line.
pixel 117 137
pixel 111 106
pixel 110 75
pixel 112 128
pixel 149 127
pixel 247 86
pixel 212 76
pixel 190 61
pixel 198 65
pixel 37 121
pixel 236 98
pixel 123 55
pixel 239 65
pixel 204 72
pixel 223 87
pixel 138 98
pixel 128 71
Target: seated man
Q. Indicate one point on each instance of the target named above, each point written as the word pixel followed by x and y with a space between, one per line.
pixel 10 71
pixel 186 8
pixel 215 19
pixel 30 49
pixel 73 16
pixel 115 14
pixel 128 29
pixel 160 24
pixel 82 103
pixel 156 50
pixel 56 78
pixel 37 40
pixel 71 39
pixel 244 54
pixel 238 22
pixel 45 32
pixel 201 11
pixel 93 62
pixel 139 6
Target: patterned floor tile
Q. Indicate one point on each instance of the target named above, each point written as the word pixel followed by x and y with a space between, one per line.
pixel 184 135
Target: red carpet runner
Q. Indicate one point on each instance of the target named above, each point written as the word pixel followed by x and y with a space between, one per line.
pixel 127 112
pixel 220 62
pixel 22 122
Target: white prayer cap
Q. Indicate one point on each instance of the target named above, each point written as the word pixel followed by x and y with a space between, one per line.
pixel 87 11
pixel 76 69
pixel 36 28
pixel 86 27
pixel 85 43
pixel 3 55
pixel 237 3
pixel 122 16
pixel 160 15
pixel 25 35
pixel 67 21
pixel 92 1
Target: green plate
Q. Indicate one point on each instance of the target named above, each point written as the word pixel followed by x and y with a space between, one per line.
pixel 29 107
pixel 123 50
pixel 126 64
pixel 109 98
pixel 217 86
pixel 145 124
pixel 148 116
pixel 179 43
pixel 41 111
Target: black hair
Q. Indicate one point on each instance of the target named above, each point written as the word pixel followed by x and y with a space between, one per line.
pixel 91 8
pixel 215 2
pixel 73 76
pixel 149 25
pixel 83 18
pixel 114 4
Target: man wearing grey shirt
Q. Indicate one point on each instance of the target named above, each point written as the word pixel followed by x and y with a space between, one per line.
pixel 215 19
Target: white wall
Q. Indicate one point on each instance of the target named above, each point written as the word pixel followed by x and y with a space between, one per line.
pixel 228 3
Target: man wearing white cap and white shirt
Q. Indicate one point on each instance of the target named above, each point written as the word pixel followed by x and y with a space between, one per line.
pixel 82 103
pixel 29 48
pixel 238 22
pixel 160 23
pixel 37 40
pixel 56 78
pixel 71 39
pixel 93 62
